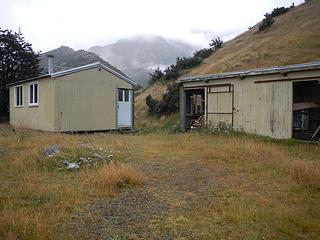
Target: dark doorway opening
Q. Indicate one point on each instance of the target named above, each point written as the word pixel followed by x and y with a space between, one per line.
pixel 306 110
pixel 195 108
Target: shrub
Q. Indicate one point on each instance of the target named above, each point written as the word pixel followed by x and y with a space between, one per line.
pixel 153 105
pixel 268 21
pixel 156 75
pixel 170 102
pixel 268 17
pixel 216 43
pixel 171 73
pixel 203 53
pixel 186 63
pixel 278 11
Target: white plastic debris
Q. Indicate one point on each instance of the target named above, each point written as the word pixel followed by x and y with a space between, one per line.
pixel 84 160
pixel 97 156
pixel 72 165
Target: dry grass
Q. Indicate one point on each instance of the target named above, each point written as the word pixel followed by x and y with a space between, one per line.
pixel 260 188
pixel 36 199
pixel 307 173
pixel 116 175
pixel 292 39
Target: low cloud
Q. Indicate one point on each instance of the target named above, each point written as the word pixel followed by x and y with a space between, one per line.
pixel 207 34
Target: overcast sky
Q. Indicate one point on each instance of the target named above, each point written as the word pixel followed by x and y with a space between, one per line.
pixel 82 24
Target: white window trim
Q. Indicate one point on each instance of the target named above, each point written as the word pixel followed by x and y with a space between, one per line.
pixel 15 96
pixel 33 104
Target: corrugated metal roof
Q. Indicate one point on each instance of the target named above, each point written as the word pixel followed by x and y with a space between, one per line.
pixel 259 71
pixel 78 69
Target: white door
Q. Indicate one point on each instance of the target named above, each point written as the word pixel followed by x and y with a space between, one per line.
pixel 124 107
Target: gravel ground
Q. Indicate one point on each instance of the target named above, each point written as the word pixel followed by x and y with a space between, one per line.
pixel 127 216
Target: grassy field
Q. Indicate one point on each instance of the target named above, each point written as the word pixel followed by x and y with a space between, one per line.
pixel 158 186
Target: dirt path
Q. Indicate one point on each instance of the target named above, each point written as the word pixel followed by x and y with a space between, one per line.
pixel 169 189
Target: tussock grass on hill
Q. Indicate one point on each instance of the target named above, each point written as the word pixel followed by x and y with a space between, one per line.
pixel 293 38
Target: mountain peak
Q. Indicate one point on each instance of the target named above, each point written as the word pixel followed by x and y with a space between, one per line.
pixel 66 58
pixel 136 56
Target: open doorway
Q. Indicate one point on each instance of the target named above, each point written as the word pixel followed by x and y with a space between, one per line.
pixel 306 110
pixel 195 108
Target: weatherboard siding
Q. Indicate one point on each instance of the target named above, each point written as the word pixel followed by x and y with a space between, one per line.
pixel 261 108
pixel 39 117
pixel 86 100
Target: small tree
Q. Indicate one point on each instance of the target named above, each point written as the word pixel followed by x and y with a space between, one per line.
pixel 203 53
pixel 268 17
pixel 156 75
pixel 17 61
pixel 266 22
pixel 216 43
pixel 169 103
pixel 152 104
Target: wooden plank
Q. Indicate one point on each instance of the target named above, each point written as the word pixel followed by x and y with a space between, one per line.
pixel 315 133
pixel 305 105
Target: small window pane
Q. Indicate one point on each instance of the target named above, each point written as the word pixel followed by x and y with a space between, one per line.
pixel 126 95
pixel 31 93
pixel 35 93
pixel 20 95
pixel 120 95
pixel 17 96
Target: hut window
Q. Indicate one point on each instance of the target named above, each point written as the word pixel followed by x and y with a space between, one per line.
pixel 123 95
pixel 18 96
pixel 126 95
pixel 120 95
pixel 33 94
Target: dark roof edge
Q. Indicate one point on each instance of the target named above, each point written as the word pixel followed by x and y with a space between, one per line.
pixel 78 69
pixel 253 72
pixel 28 80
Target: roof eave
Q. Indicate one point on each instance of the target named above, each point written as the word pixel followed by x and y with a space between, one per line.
pixel 28 80
pixel 78 69
pixel 255 72
pixel 90 66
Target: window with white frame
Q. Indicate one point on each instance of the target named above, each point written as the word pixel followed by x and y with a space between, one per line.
pixel 126 95
pixel 18 96
pixel 123 95
pixel 33 94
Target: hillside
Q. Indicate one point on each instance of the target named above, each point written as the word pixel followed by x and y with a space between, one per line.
pixel 293 38
pixel 66 58
pixel 137 56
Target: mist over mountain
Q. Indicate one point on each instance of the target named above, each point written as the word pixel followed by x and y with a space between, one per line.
pixel 138 56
